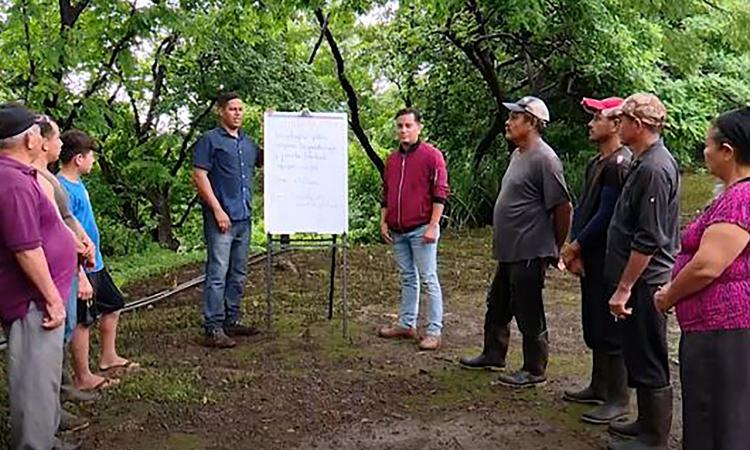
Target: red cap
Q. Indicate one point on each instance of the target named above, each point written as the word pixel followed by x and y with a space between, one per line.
pixel 606 106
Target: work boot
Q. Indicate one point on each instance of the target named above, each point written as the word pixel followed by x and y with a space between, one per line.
pixel 629 429
pixel 618 396
pixel 654 424
pixel 218 339
pixel 535 353
pixel 430 342
pixel 235 329
pixel 596 392
pixel 397 332
pixel 71 422
pixel 521 378
pixel 496 340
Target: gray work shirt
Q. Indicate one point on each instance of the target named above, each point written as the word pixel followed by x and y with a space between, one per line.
pixel 646 217
pixel 523 225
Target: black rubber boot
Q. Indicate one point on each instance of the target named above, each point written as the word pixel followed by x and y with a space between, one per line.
pixel 618 395
pixel 496 339
pixel 655 422
pixel 535 357
pixel 536 354
pixel 630 429
pixel 596 392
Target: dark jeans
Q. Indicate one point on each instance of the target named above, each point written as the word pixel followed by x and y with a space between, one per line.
pixel 715 373
pixel 516 291
pixel 644 340
pixel 600 331
pixel 226 270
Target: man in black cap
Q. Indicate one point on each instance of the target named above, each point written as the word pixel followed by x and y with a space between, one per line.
pixel 37 266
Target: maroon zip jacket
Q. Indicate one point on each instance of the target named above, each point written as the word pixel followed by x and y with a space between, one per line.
pixel 414 179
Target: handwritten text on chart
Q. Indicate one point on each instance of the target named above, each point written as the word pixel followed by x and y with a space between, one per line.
pixel 306 173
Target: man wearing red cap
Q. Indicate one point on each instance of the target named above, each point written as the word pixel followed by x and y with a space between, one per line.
pixel 585 256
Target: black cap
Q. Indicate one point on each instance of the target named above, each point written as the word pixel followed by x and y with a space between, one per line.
pixel 15 119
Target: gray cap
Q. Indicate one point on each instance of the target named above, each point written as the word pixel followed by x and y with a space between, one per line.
pixel 531 105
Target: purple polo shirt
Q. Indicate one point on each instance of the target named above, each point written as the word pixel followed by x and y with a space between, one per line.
pixel 28 220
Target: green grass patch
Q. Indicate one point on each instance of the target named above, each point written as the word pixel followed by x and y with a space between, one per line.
pixel 178 385
pixel 152 262
pixel 697 191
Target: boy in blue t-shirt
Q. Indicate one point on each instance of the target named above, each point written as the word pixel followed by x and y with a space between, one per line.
pixel 77 158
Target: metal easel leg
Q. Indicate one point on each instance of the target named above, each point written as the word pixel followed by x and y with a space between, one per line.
pixel 269 282
pixel 344 285
pixel 332 280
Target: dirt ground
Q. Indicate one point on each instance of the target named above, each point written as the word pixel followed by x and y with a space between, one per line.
pixel 304 386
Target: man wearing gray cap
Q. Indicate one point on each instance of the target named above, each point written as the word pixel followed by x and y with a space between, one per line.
pixel 531 221
pixel 37 266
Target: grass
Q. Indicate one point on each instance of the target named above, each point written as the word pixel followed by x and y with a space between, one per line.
pixel 166 386
pixel 697 191
pixel 152 262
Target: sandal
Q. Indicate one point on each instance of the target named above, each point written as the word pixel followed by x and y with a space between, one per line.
pixel 127 366
pixel 104 384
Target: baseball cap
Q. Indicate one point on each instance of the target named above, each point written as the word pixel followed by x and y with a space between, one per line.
pixel 531 105
pixel 15 119
pixel 645 107
pixel 607 107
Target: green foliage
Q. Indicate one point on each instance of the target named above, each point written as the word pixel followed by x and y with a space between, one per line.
pixel 150 262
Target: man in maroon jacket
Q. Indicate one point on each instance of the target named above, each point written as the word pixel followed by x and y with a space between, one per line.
pixel 415 189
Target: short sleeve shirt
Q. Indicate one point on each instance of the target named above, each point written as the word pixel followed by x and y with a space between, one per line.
pixel 725 303
pixel 80 206
pixel 646 217
pixel 230 163
pixel 523 225
pixel 28 220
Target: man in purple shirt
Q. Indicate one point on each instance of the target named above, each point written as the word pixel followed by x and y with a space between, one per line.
pixel 37 265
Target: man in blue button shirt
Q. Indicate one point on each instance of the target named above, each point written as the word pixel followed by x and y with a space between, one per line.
pixel 223 165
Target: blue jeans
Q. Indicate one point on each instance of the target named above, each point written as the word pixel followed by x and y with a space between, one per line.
pixel 71 308
pixel 226 270
pixel 418 261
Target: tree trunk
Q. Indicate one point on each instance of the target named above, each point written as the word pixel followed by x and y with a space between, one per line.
pixel 164 234
pixel 351 95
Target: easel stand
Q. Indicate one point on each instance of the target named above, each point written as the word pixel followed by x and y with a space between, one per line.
pixel 284 242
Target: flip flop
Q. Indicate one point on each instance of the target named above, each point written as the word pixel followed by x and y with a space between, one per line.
pixel 127 366
pixel 104 384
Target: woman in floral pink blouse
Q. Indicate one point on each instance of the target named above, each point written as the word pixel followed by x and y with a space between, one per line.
pixel 711 292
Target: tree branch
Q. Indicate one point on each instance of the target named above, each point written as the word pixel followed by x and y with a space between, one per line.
pixel 186 146
pixel 351 95
pixel 69 13
pixel 323 28
pixel 120 46
pixel 32 63
pixel 158 72
pixel 187 212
